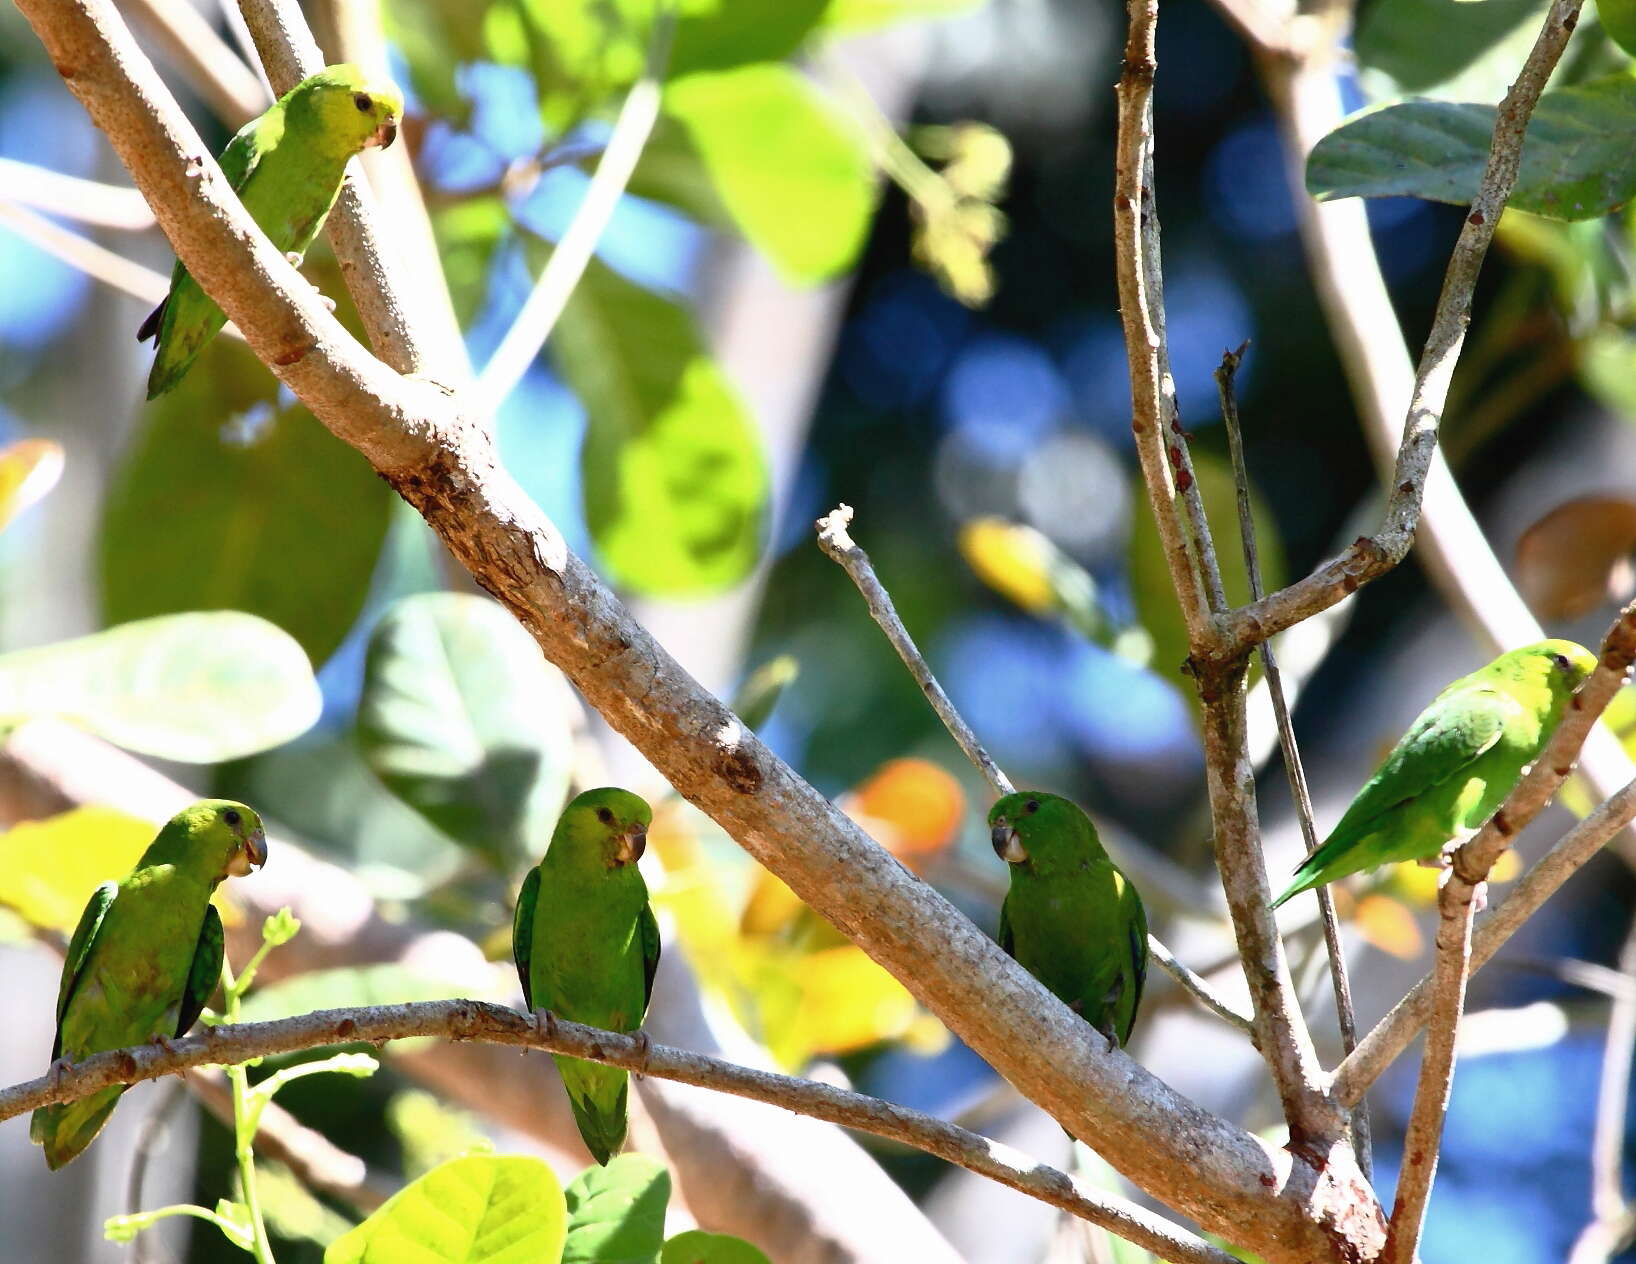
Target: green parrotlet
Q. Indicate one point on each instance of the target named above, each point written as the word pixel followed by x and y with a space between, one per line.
pixel 587 945
pixel 145 957
pixel 286 167
pixel 1070 918
pixel 1453 768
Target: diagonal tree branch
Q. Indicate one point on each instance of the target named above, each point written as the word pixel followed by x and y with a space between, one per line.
pixel 1417 455
pixel 464 1020
pixel 1473 860
pixel 1284 1207
pixel 838 544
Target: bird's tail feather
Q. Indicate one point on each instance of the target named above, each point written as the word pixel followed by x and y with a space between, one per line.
pixel 599 1096
pixel 66 1128
pixel 1308 873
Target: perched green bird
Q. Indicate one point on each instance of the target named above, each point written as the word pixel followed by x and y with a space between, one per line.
pixel 1071 918
pixel 587 945
pixel 145 957
pixel 286 167
pixel 1453 768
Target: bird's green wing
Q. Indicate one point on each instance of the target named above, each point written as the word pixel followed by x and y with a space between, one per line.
pixel 1003 935
pixel 1449 735
pixel 1136 926
pixel 79 951
pixel 648 927
pixel 204 972
pixel 522 932
pixel 237 161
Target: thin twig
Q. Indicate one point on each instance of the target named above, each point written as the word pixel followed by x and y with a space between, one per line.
pixel 1471 862
pixel 1345 1014
pixel 1372 556
pixel 88 201
pixel 835 541
pixel 464 1020
pixel 562 271
pixel 213 69
pixel 1198 988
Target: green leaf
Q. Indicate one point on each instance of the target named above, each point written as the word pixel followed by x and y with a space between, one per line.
pixel 761 690
pixel 1577 162
pixel 1451 49
pixel 792 173
pixel 1151 589
pixel 199 688
pixel 463 719
pixel 862 15
pixel 481 1209
pixel 229 500
pixel 1619 21
pixel 616 1214
pixel 344 987
pixel 675 483
pixel 698 1247
pixel 720 34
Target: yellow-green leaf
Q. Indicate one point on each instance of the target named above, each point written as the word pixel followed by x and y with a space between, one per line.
pixel 29 468
pixel 482 1209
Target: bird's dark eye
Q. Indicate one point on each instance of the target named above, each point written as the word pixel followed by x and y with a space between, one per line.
pixel 1562 664
pixel 1033 805
pixel 362 101
pixel 231 816
pixel 605 816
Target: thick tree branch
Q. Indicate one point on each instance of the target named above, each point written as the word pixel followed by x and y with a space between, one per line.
pixel 1372 556
pixel 464 1020
pixel 440 460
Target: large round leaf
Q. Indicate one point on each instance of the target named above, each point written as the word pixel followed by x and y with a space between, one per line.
pixel 231 501
pixel 201 687
pixel 482 1209
pixel 463 719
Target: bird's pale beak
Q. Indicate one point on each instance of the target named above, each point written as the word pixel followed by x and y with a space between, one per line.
pixel 632 843
pixel 385 134
pixel 252 856
pixel 1007 846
